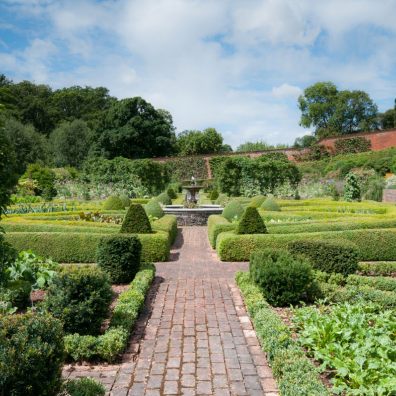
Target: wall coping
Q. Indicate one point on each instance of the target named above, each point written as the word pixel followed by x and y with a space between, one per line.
pixel 357 134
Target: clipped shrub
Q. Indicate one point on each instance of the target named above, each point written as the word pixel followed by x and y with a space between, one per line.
pixel 32 354
pixel 153 209
pixel 164 199
pixel 216 225
pixel 119 256
pixel 251 222
pixel 271 205
pixel 113 203
pixel 125 200
pixel 136 221
pixel 328 256
pixel 84 387
pixel 214 194
pixel 233 211
pixel 352 190
pixel 80 297
pixel 257 201
pixel 283 279
pixel 171 193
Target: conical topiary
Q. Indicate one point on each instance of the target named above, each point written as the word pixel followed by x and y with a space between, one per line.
pixel 113 203
pixel 171 193
pixel 257 201
pixel 271 205
pixel 251 222
pixel 233 211
pixel 153 209
pixel 136 221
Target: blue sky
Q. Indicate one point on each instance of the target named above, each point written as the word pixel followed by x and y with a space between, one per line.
pixel 238 66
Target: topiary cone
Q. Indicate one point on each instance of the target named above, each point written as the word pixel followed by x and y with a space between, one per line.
pixel 251 222
pixel 136 221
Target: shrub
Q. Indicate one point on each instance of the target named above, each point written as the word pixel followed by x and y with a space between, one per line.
pixel 31 355
pixel 125 200
pixel 214 194
pixel 216 225
pixel 284 279
pixel 84 387
pixel 352 188
pixel 352 145
pixel 136 221
pixel 271 205
pixel 44 180
pixel 19 293
pixel 233 211
pixel 377 282
pixel 257 201
pixel 7 256
pixel 80 296
pixel 171 193
pixel 119 257
pixel 164 199
pixel 329 256
pixel 113 203
pixel 251 222
pixel 380 268
pixel 153 209
pixel 167 223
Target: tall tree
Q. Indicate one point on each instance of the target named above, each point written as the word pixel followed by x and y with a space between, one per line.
pixel 305 141
pixel 195 142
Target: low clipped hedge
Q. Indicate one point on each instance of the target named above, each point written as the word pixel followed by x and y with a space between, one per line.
pixel 373 245
pixel 167 223
pixel 81 247
pixel 32 354
pixel 112 343
pixel 216 225
pixel 89 228
pixel 293 371
pixel 377 282
pixel 233 210
pixel 383 268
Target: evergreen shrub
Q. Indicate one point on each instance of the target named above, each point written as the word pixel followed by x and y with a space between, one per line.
pixel 80 297
pixel 271 205
pixel 153 209
pixel 233 211
pixel 113 203
pixel 119 256
pixel 136 221
pixel 251 222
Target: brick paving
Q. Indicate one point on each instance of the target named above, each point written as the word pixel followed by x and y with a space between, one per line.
pixel 194 337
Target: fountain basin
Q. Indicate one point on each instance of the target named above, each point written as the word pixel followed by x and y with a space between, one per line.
pixel 192 216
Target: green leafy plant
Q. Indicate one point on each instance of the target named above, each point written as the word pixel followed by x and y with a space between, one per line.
pixel 136 221
pixel 352 188
pixel 171 193
pixel 84 387
pixel 163 199
pixel 214 194
pixel 251 222
pixel 257 201
pixel 233 209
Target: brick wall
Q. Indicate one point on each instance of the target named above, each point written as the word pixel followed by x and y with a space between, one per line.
pixel 380 140
pixel 389 196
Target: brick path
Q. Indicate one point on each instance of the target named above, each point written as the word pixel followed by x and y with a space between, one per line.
pixel 195 337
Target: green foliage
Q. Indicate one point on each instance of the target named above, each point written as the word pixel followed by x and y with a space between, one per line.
pixel 257 201
pixel 153 209
pixel 70 143
pixel 377 282
pixel 283 279
pixel 216 225
pixel 18 293
pixel 197 142
pixel 44 179
pixel 111 344
pixel 7 256
pixel 184 168
pixel 31 356
pixel 113 203
pixel 119 257
pixel 352 188
pixel 270 205
pixel 377 268
pixel 259 146
pixel 233 211
pixel 125 200
pixel 136 221
pixel 171 193
pixel 305 141
pixel 80 297
pixel 84 387
pixel 294 373
pixel 163 198
pixel 328 256
pixel 251 222
pixel 214 194
pixel 355 342
pixel 352 145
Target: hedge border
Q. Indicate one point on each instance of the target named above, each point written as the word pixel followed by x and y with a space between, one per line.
pixel 294 372
pixel 112 343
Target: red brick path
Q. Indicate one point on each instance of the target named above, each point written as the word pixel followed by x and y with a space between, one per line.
pixel 197 338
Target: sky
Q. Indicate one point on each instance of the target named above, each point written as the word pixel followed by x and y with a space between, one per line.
pixel 235 65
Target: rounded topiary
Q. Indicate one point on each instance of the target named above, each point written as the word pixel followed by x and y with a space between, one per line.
pixel 119 256
pixel 283 279
pixel 271 205
pixel 257 201
pixel 233 211
pixel 251 222
pixel 352 191
pixel 113 203
pixel 125 200
pixel 84 387
pixel 32 354
pixel 214 194
pixel 153 209
pixel 328 256
pixel 80 297
pixel 171 193
pixel 163 198
pixel 136 221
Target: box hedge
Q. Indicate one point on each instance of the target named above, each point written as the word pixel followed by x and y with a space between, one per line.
pixel 251 222
pixel 373 245
pixel 216 225
pixel 233 211
pixel 32 354
pixel 136 221
pixel 119 256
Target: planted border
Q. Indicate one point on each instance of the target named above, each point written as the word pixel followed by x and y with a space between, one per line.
pixel 112 343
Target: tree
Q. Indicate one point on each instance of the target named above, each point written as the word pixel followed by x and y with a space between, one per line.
pixel 196 142
pixel 259 146
pixel 333 112
pixel 387 119
pixel 70 143
pixel 305 141
pixel 133 128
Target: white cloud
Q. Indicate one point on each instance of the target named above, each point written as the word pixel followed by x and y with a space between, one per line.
pixel 286 91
